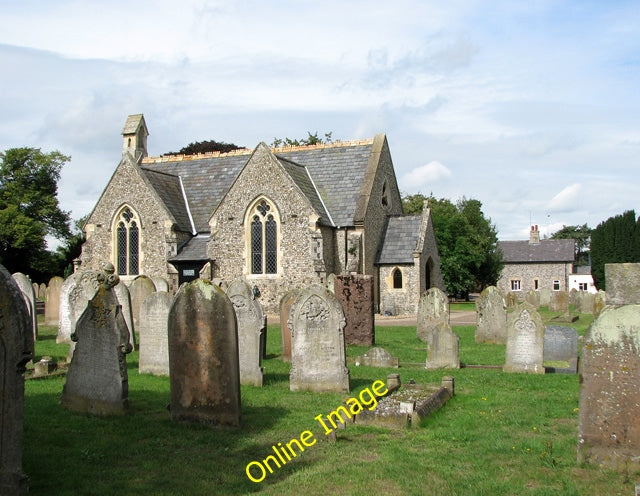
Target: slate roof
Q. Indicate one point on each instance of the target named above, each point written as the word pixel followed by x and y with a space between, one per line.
pixel 300 176
pixel 168 188
pixel 400 239
pixel 132 123
pixel 547 251
pixel 194 250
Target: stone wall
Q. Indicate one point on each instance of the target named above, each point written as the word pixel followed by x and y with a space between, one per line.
pixel 546 273
pixel 401 301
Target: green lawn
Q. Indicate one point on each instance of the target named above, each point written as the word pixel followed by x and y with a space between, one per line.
pixel 502 434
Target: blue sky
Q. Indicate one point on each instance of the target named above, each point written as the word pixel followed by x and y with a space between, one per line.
pixel 531 108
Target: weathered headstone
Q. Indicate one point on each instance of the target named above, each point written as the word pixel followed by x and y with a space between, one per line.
pixel 575 297
pixel 433 309
pixel 559 302
pixel 97 380
pixel 599 302
pixel 251 327
pixel 36 290
pixel 491 317
pixel 442 350
pixel 318 357
pixel 355 294
pixel 24 283
pixel 525 341
pixel 154 341
pixel 511 299
pixel 533 298
pixel 377 357
pixel 561 349
pixel 609 431
pixel 203 356
pixel 545 297
pixel 161 284
pixel 16 349
pixel 587 302
pixel 124 299
pixel 52 301
pixel 285 307
pixel 331 280
pixel 623 283
pixel 42 290
pixel 66 322
pixel 141 287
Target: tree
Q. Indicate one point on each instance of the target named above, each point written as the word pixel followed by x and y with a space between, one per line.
pixel 206 147
pixel 467 242
pixel 311 139
pixel 71 248
pixel 582 236
pixel 29 210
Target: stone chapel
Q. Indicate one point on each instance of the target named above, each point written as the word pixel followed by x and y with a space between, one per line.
pixel 282 218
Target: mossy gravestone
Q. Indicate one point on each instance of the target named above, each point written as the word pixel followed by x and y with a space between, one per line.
pixel 16 349
pixel 203 356
pixel 525 341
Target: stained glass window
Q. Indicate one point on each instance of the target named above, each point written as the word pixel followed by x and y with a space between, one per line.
pixel 264 239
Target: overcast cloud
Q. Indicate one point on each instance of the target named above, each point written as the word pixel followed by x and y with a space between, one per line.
pixel 531 109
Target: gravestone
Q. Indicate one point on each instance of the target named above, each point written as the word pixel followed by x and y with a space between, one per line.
pixel 587 302
pixel 97 380
pixel 511 299
pixel 574 297
pixel 525 341
pixel 161 284
pixel 154 342
pixel 561 349
pixel 24 283
pixel 377 357
pixel 355 294
pixel 559 302
pixel 433 309
pixel 52 301
pixel 623 283
pixel 36 290
pixel 141 287
pixel 251 327
pixel 533 298
pixel 285 307
pixel 16 349
pixel 42 290
pixel 331 280
pixel 599 302
pixel 318 357
pixel 124 298
pixel 203 356
pixel 442 350
pixel 608 430
pixel 491 317
pixel 545 297
pixel 66 310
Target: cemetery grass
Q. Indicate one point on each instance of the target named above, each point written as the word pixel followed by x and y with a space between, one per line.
pixel 501 434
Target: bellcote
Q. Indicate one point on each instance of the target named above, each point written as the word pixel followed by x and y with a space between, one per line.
pixel 134 136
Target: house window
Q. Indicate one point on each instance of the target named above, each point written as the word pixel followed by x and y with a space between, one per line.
pixel 583 286
pixel 556 285
pixel 263 235
pixel 397 279
pixel 536 284
pixel 127 242
pixel 515 285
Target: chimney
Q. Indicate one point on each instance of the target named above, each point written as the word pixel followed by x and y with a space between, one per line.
pixel 534 236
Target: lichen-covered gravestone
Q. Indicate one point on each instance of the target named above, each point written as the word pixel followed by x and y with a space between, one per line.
pixel 285 307
pixel 355 294
pixel 587 302
pixel 545 297
pixel 559 302
pixel 442 351
pixel 525 341
pixel 433 309
pixel 561 349
pixel 52 301
pixel 16 349
pixel 623 283
pixel 161 284
pixel 318 357
pixel 154 342
pixel 533 298
pixel 24 283
pixel 491 320
pixel 599 302
pixel 141 287
pixel 203 356
pixel 97 380
pixel 66 321
pixel 251 327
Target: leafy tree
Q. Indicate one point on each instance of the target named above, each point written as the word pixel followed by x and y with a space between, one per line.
pixel 582 236
pixel 29 210
pixel 72 248
pixel 311 139
pixel 467 242
pixel 205 147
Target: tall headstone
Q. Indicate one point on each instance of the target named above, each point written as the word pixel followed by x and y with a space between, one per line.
pixel 318 355
pixel 559 302
pixel 42 290
pixel 433 309
pixel 533 298
pixel 623 283
pixel 66 322
pixel 491 317
pixel 154 340
pixel 16 349
pixel 525 341
pixel 36 290
pixel 609 430
pixel 285 307
pixel 442 350
pixel 561 348
pixel 141 287
pixel 97 380
pixel 575 297
pixel 355 294
pixel 203 356
pixel 52 301
pixel 251 328
pixel 599 302
pixel 24 283
pixel 545 297
pixel 124 299
pixel 587 302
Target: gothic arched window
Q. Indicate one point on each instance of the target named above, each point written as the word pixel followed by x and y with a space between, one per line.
pixel 263 238
pixel 127 243
pixel 397 279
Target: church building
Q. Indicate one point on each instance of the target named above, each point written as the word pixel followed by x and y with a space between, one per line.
pixel 282 218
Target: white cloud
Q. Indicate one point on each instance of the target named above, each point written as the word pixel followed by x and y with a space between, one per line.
pixel 565 199
pixel 424 176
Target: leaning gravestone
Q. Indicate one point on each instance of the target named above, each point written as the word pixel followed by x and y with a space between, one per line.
pixel 525 341
pixel 559 302
pixel 16 349
pixel 491 317
pixel 97 380
pixel 355 294
pixel 24 283
pixel 561 349
pixel 318 357
pixel 154 343
pixel 141 287
pixel 442 351
pixel 433 309
pixel 533 298
pixel 52 301
pixel 251 328
pixel 609 431
pixel 203 356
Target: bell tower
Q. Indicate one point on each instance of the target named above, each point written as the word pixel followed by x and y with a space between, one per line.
pixel 134 136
